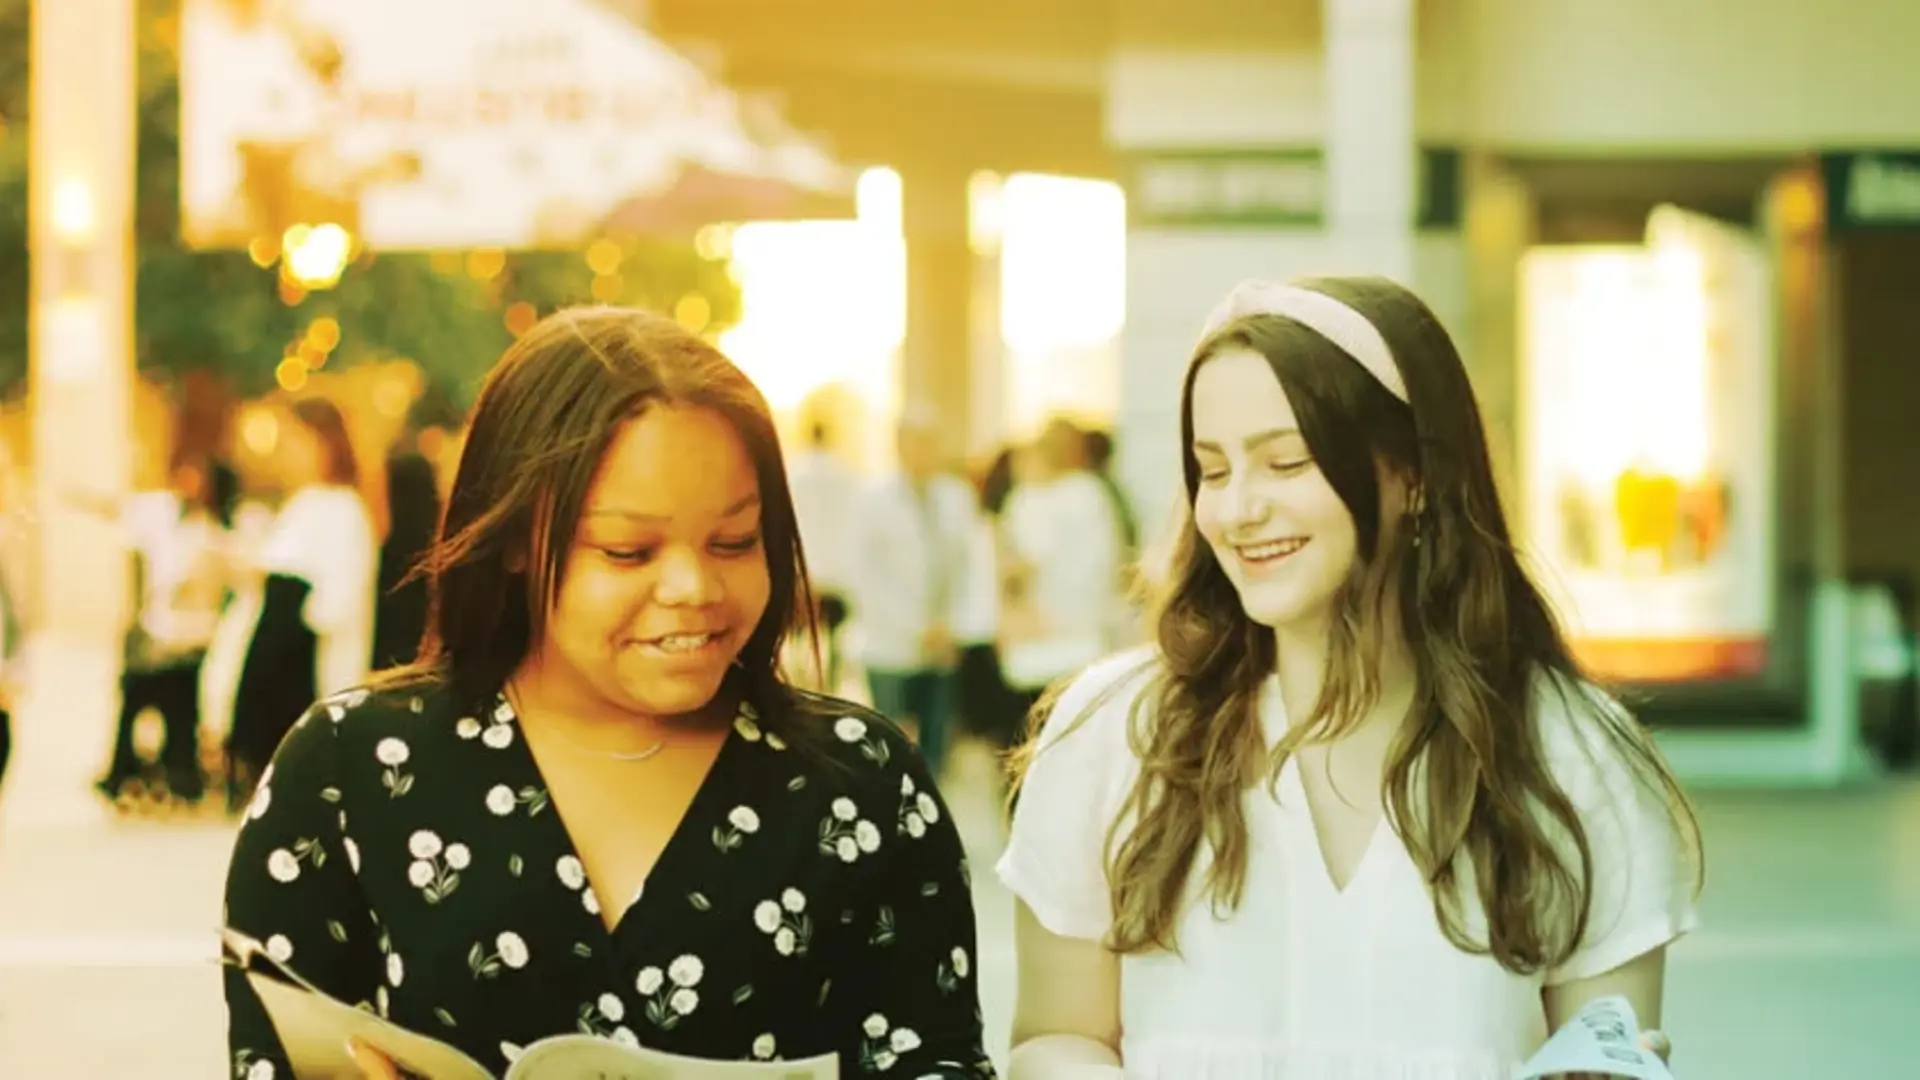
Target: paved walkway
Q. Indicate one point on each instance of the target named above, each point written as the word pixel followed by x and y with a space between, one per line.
pixel 1808 965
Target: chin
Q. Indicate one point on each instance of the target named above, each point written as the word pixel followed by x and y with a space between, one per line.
pixel 1278 609
pixel 671 694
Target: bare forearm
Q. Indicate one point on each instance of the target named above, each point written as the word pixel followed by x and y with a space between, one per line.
pixel 1063 1057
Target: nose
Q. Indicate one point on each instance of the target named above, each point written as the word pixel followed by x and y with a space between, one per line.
pixel 1247 506
pixel 687 579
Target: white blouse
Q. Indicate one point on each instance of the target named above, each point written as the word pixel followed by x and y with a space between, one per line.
pixel 1304 980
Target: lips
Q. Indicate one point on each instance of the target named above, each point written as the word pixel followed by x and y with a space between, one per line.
pixel 1269 553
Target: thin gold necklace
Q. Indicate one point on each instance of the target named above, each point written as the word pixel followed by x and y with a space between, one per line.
pixel 558 733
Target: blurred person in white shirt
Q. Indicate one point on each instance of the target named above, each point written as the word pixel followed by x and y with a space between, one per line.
pixel 911 575
pixel 1062 551
pixel 826 500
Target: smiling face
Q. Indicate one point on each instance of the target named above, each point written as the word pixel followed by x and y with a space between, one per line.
pixel 1277 527
pixel 667 575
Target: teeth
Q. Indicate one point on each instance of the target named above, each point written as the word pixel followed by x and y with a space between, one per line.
pixel 682 642
pixel 1270 550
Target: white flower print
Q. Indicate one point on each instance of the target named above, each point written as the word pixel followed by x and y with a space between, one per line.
pixel 670 995
pixel 764 1047
pixel 918 809
pixel 283 864
pixel 686 971
pixel 742 822
pixel 260 1069
pixel 513 951
pixel 625 1037
pixel 572 873
pixel 509 951
pixel 280 948
pixel 262 798
pixel 467 728
pixel 595 1019
pixel 766 916
pixel 852 729
pixel 499 734
pixel 436 865
pixel 844 834
pixel 786 919
pixel 500 800
pixel 590 901
pixel 393 753
pixel 952 970
pixel 396 970
pixel 882 1045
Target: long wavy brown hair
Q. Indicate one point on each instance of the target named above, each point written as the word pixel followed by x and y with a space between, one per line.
pixel 544 418
pixel 1467 784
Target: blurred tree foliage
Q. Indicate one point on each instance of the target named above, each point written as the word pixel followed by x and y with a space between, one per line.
pixel 218 310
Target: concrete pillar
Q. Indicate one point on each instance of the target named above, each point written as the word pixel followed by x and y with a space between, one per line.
pixel 940 271
pixel 81 63
pixel 80 196
pixel 1372 159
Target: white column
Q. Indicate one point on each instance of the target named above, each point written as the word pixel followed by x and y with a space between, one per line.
pixel 80 190
pixel 1372 160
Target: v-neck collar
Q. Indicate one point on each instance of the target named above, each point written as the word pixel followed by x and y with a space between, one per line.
pixel 743 728
pixel 1274 722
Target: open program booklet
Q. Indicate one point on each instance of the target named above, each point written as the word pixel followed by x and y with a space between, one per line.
pixel 1602 1039
pixel 314 1028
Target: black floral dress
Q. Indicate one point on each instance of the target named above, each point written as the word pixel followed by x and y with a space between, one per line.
pixel 403 854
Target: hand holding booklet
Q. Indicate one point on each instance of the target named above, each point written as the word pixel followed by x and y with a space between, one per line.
pixel 1602 1039
pixel 314 1029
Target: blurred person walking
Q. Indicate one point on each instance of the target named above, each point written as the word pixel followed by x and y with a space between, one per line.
pixel 826 497
pixel 1062 550
pixel 911 571
pixel 307 602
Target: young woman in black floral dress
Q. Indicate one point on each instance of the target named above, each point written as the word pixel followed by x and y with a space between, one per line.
pixel 592 805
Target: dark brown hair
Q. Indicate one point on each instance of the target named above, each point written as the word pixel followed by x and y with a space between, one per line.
pixel 1481 635
pixel 543 421
pixel 337 462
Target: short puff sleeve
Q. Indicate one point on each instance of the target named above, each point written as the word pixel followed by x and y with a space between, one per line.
pixel 1075 787
pixel 1644 877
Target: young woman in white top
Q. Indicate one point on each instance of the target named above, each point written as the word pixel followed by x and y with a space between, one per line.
pixel 1356 814
pixel 311 605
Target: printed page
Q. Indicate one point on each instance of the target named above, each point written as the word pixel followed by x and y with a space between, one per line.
pixel 581 1057
pixel 1602 1039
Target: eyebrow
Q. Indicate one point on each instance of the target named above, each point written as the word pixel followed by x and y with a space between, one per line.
pixel 740 505
pixel 1251 442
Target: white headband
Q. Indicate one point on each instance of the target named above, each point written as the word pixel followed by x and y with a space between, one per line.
pixel 1319 313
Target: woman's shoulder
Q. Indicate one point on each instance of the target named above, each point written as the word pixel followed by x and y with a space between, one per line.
pixel 852 735
pixel 405 708
pixel 1108 696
